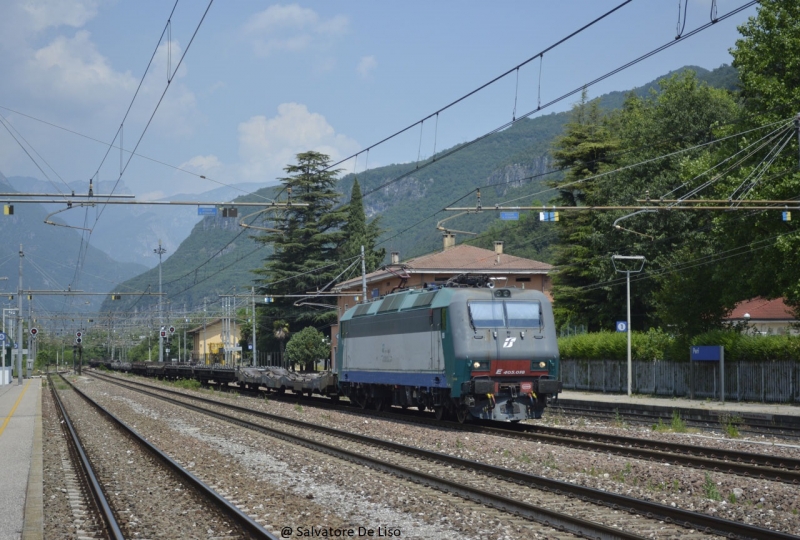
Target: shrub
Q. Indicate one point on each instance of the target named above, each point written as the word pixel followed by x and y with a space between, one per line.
pixel 655 344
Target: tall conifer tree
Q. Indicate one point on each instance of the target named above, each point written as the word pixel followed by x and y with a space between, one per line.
pixel 305 251
pixel 360 233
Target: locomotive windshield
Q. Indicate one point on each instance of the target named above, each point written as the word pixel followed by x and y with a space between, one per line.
pixel 486 314
pixel 523 314
pixel 505 314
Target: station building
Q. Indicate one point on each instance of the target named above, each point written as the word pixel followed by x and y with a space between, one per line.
pixel 437 268
pixel 208 341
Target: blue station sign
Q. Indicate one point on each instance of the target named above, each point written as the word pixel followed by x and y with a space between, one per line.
pixel 706 353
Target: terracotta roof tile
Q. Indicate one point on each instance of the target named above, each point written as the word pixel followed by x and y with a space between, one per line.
pixel 761 309
pixel 460 259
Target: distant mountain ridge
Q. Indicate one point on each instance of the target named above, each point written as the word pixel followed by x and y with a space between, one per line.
pixel 142 226
pixel 514 164
pixel 51 256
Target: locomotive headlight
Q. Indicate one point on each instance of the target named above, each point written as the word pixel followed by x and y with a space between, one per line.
pixel 542 364
pixel 476 365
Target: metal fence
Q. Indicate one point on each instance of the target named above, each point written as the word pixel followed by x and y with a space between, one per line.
pixel 744 381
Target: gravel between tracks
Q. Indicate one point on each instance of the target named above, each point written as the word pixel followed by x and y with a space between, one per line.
pixel 148 501
pixel 766 504
pixel 284 485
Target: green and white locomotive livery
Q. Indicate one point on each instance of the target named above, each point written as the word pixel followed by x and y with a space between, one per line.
pixel 469 352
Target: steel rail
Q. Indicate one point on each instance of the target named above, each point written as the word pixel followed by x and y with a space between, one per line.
pixel 744 424
pixel 239 517
pixel 106 514
pixel 698 457
pixel 731 529
pixel 541 515
pixel 748 464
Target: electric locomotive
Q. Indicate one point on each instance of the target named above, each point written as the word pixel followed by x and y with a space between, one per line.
pixel 487 353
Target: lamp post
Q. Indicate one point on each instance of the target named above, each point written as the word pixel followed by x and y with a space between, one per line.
pixel 160 251
pixel 634 259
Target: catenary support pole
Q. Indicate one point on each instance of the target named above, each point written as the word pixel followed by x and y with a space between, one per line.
pixel 363 277
pixel 253 296
pixel 18 341
pixel 160 251
pixel 630 366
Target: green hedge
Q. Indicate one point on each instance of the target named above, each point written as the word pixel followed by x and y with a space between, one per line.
pixel 657 345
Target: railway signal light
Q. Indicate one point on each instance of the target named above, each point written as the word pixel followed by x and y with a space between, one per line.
pixel 34 331
pixel 171 329
pixel 163 333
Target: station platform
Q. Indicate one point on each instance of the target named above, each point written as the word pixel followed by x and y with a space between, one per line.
pixel 783 414
pixel 21 454
pixel 684 403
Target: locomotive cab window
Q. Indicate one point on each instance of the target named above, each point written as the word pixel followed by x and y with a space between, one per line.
pixel 524 314
pixel 486 314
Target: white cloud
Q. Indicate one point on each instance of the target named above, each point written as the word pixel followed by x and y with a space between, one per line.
pixel 366 65
pixel 292 28
pixel 267 145
pixel 52 13
pixel 74 66
pixel 202 164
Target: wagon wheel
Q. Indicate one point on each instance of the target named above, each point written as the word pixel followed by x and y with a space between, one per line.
pixel 438 411
pixel 378 403
pixel 361 401
pixel 463 415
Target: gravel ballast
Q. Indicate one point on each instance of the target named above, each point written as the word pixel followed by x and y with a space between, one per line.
pixel 298 478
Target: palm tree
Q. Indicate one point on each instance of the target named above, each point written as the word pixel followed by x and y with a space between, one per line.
pixel 280 329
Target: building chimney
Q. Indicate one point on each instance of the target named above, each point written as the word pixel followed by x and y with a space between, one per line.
pixel 395 257
pixel 449 241
pixel 498 247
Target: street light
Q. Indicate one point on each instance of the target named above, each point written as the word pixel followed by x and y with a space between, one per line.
pixel 636 259
pixel 160 251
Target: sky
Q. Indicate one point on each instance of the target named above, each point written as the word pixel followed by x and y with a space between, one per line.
pixel 263 81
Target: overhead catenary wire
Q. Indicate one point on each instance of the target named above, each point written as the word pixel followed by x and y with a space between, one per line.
pixel 135 154
pixel 9 127
pixel 487 84
pixel 138 88
pixel 550 103
pixel 158 104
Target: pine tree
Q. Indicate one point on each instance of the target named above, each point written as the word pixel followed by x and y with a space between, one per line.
pixel 359 233
pixel 306 250
pixel 584 148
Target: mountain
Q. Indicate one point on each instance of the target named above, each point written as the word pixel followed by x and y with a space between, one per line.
pixel 142 226
pixel 51 256
pixel 510 165
pixel 216 258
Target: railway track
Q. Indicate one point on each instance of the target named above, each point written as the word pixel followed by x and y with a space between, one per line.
pixel 748 464
pixel 120 518
pixel 90 508
pixel 551 502
pixel 754 424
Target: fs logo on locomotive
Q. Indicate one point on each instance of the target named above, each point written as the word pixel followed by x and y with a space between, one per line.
pixel 509 342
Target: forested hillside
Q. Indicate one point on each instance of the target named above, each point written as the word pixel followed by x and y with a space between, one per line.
pixel 514 164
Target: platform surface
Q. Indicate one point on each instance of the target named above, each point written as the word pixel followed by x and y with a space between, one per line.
pixel 20 417
pixel 787 409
